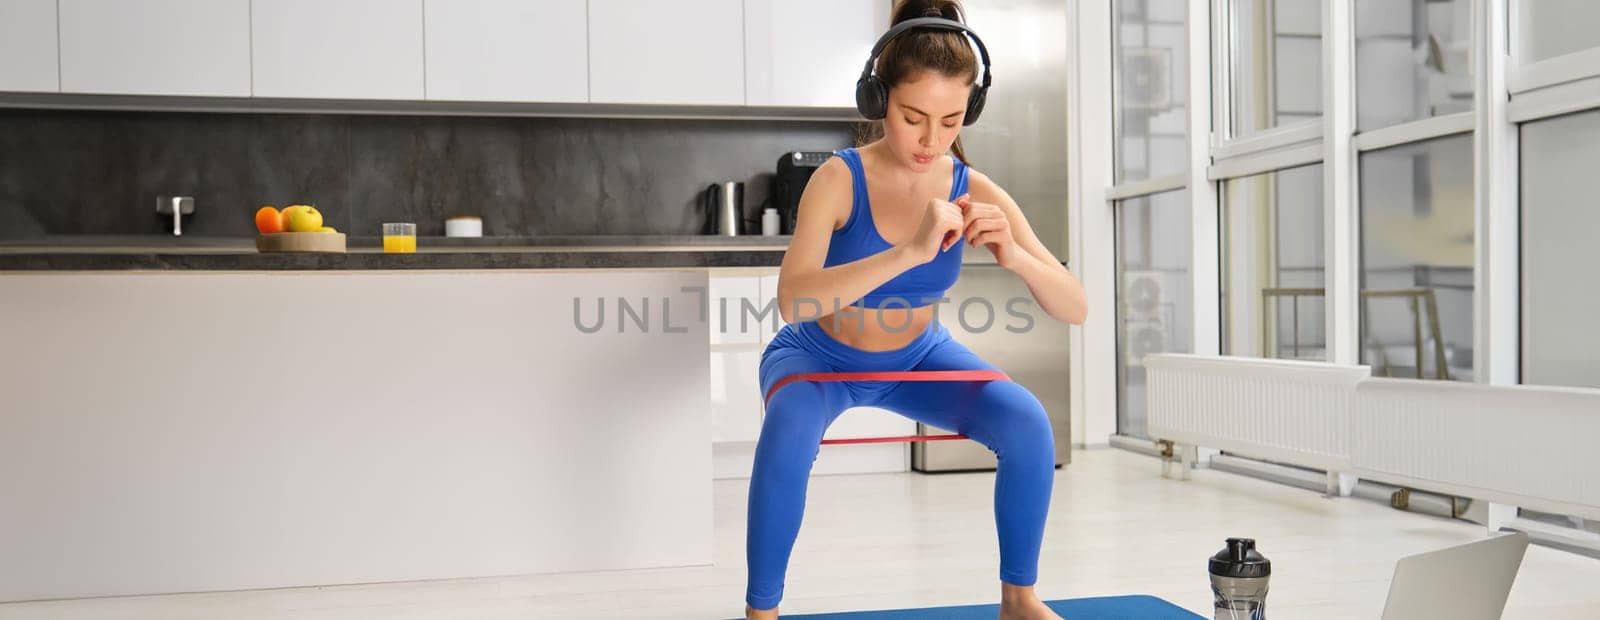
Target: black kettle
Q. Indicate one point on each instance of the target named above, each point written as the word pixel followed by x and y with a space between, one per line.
pixel 723 204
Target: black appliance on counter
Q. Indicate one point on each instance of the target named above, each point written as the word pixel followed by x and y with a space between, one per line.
pixel 794 171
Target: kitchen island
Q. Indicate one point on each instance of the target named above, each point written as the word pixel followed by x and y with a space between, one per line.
pixel 202 417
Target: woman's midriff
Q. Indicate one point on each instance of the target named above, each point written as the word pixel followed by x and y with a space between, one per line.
pixel 875 330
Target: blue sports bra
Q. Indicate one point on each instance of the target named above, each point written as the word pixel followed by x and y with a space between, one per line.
pixel 916 287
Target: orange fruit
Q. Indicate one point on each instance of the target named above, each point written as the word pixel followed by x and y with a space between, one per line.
pixel 268 220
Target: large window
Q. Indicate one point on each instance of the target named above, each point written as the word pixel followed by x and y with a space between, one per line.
pixel 1153 300
pixel 1551 28
pixel 1560 250
pixel 1151 86
pixel 1465 239
pixel 1418 249
pixel 1273 275
pixel 1413 60
pixel 1418 220
pixel 1277 63
pixel 1155 307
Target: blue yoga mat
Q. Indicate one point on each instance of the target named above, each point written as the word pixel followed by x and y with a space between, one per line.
pixel 1137 607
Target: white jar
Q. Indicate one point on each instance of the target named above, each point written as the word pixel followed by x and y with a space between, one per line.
pixel 463 226
pixel 769 222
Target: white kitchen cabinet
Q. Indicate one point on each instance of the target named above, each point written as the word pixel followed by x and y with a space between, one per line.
pixel 808 53
pixel 337 49
pixel 498 440
pixel 769 294
pixel 735 395
pixel 156 47
pixel 736 400
pixel 28 60
pixel 507 50
pixel 731 323
pixel 687 52
pixel 735 356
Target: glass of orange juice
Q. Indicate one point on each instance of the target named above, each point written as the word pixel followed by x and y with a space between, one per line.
pixel 399 238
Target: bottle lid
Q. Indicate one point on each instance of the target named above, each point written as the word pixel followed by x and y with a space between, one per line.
pixel 1240 560
pixel 770 210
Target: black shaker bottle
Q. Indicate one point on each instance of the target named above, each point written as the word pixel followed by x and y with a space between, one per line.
pixel 1239 581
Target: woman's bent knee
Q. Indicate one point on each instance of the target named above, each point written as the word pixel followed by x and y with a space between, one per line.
pixel 1016 420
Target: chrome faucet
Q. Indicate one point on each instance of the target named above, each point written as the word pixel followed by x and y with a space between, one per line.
pixel 178 206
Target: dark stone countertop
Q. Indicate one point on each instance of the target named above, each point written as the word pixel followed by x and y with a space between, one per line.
pixel 182 244
pixel 132 253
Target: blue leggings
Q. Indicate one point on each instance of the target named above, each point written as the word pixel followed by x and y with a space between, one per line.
pixel 1001 415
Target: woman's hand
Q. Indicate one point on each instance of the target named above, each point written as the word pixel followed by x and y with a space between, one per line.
pixel 984 223
pixel 939 231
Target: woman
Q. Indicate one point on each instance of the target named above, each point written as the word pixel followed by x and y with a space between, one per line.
pixel 885 224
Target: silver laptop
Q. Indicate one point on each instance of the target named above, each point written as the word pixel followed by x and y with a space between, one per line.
pixel 1465 582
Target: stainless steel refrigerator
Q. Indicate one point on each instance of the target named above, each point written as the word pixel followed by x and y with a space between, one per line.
pixel 1033 351
pixel 1021 143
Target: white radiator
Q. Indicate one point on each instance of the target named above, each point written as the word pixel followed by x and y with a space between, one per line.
pixel 1280 410
pixel 1530 446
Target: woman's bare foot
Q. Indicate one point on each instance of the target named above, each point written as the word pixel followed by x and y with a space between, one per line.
pixel 1020 603
pixel 751 613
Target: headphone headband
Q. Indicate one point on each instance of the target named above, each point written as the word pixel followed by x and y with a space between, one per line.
pixel 930 23
pixel 872 95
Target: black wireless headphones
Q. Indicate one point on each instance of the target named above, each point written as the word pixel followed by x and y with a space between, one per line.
pixel 872 95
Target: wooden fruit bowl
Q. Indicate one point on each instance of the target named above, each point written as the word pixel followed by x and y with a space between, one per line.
pixel 301 242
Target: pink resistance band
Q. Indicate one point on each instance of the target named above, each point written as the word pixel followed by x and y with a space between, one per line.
pixel 908 375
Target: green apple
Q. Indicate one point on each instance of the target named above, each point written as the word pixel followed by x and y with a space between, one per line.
pixel 302 218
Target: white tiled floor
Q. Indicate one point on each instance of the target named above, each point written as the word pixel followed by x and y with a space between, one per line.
pixel 912 540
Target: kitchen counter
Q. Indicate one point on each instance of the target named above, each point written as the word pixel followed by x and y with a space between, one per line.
pixel 159 253
pixel 203 244
pixel 119 253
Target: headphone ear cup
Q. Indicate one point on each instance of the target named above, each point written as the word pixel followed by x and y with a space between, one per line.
pixel 872 99
pixel 975 101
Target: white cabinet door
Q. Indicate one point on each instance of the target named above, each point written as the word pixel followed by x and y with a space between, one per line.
pixel 648 51
pixel 28 60
pixel 731 322
pixel 337 49
pixel 735 357
pixel 507 50
pixel 769 295
pixel 156 47
pixel 808 53
pixel 735 396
